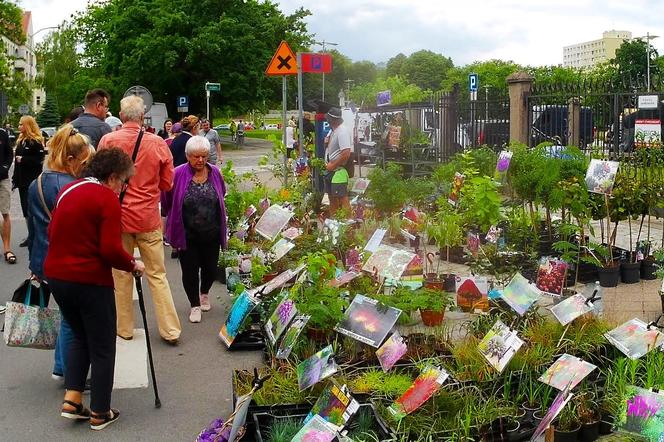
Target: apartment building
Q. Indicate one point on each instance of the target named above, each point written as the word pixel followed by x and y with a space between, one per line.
pixel 590 53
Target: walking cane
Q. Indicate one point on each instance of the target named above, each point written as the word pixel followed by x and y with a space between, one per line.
pixel 141 304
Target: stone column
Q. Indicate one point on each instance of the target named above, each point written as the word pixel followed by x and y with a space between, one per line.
pixel 520 84
pixel 574 122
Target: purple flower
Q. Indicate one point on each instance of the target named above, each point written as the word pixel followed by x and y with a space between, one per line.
pixel 642 407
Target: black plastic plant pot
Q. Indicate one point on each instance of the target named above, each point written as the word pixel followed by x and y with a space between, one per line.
pixel 609 276
pixel 589 432
pixel 567 436
pixel 248 340
pixel 587 272
pixel 606 427
pixel 648 269
pixel 449 282
pixel 630 272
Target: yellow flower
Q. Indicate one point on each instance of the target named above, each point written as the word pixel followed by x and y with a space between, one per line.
pixel 284 194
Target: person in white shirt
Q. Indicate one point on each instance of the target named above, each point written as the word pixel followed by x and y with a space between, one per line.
pixel 337 153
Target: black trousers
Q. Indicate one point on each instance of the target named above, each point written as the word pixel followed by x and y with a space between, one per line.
pixel 90 311
pixel 23 195
pixel 200 257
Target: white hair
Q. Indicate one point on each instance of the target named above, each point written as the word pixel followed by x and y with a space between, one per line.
pixel 132 108
pixel 197 143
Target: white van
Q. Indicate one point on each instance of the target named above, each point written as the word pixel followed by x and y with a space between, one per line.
pixel 157 116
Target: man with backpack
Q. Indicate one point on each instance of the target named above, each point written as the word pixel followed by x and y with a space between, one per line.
pixel 338 161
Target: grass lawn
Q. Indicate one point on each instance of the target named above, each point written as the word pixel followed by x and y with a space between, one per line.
pixel 256 133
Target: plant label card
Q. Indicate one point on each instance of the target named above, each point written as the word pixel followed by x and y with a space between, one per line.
pixel 493 234
pixel 273 221
pixel 414 267
pixel 634 339
pixel 280 318
pixel 368 321
pixel 554 410
pixel 343 279
pixel 571 308
pixel 472 293
pixel 388 262
pixel 318 367
pixel 391 351
pixel 425 386
pixel 375 240
pixel 251 210
pixel 601 176
pixel 503 163
pixel 567 371
pixel 473 243
pixel 240 310
pixel 360 185
pixel 316 429
pixel 278 281
pixel 520 294
pixel 290 337
pixel 291 233
pixel 280 248
pixel 457 184
pixel 500 345
pixel 643 414
pixel 335 406
pixel 551 275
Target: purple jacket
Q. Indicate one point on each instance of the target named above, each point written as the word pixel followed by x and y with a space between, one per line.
pixel 172 201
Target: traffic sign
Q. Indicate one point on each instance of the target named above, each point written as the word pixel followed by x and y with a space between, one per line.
pixel 283 61
pixel 183 103
pixel 317 63
pixel 473 82
pixel 23 109
pixel 213 87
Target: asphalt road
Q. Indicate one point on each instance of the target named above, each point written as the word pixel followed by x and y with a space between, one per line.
pixel 194 378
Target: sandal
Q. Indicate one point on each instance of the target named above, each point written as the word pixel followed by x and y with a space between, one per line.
pixel 105 419
pixel 10 258
pixel 79 412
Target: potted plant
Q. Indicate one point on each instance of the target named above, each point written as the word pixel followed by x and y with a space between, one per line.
pixel 447 232
pixel 568 425
pixel 588 416
pixel 627 203
pixel 607 268
pixel 432 305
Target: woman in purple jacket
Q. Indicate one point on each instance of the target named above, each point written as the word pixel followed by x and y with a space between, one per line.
pixel 196 222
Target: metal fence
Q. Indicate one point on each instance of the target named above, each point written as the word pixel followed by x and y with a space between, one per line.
pixel 594 117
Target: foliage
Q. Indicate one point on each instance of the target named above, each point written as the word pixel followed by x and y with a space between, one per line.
pixel 402 91
pixel 631 60
pixel 49 113
pixel 10 27
pixel 283 430
pixel 446 230
pixel 481 202
pixel 492 73
pixel 386 385
pixel 387 189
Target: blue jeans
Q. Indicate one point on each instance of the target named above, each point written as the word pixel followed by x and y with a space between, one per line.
pixel 62 348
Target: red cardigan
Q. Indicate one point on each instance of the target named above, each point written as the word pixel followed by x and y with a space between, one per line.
pixel 85 236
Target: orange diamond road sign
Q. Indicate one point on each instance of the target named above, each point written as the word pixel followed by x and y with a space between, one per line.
pixel 283 62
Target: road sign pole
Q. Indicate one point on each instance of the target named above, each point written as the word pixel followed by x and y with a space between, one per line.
pixel 207 95
pixel 284 86
pixel 299 104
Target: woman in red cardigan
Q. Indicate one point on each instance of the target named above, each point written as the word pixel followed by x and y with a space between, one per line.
pixel 84 245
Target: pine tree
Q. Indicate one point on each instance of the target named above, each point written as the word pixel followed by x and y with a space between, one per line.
pixel 48 117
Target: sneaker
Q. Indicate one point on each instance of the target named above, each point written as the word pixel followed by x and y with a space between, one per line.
pixel 205 303
pixel 195 315
pixel 57 377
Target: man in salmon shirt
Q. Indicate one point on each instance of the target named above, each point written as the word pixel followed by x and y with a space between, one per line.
pixel 141 221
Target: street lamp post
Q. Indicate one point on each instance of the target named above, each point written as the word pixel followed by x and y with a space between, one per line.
pixel 323 43
pixel 648 38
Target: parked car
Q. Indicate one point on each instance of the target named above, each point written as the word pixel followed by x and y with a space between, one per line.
pixel 550 123
pixel 48 132
pixel 224 126
pixel 271 127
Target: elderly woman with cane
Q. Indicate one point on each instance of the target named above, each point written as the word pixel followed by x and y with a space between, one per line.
pixel 84 245
pixel 196 222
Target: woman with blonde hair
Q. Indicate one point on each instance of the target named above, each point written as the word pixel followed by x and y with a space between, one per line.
pixel 69 151
pixel 28 160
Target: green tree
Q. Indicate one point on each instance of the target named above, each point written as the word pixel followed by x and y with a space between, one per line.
pixel 188 43
pixel 49 114
pixel 426 69
pixel 402 91
pixel 362 72
pixel 631 61
pixel 395 65
pixel 492 73
pixel 13 84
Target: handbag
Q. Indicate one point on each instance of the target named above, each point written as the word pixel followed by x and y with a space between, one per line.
pixel 31 326
pixel 22 292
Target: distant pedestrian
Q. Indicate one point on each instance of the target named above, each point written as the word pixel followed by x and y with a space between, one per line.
pixel 28 161
pixel 239 135
pixel 84 246
pixel 190 126
pixel 196 222
pixel 337 153
pixel 215 142
pixel 290 137
pixel 141 221
pixel 91 122
pixel 68 153
pixel 165 132
pixel 176 130
pixel 6 159
pixel 232 126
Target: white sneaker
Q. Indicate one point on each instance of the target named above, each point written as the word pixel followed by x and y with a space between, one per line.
pixel 205 303
pixel 195 315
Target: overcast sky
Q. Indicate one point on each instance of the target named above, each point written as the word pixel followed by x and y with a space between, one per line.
pixel 532 32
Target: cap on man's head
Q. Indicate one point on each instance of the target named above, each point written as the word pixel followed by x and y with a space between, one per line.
pixel 176 128
pixel 334 113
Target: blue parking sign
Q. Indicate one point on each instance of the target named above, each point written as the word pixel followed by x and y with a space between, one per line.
pixel 183 101
pixel 473 82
